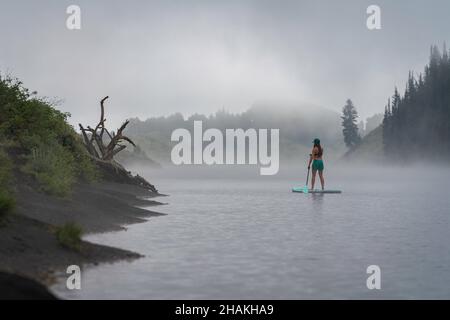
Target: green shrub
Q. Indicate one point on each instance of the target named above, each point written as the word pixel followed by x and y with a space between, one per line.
pixel 56 156
pixel 53 167
pixel 6 199
pixel 5 169
pixel 69 236
pixel 85 168
pixel 7 204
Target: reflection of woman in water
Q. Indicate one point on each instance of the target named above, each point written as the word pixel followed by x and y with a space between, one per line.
pixel 317 163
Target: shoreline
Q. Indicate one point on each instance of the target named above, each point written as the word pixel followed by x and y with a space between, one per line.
pixel 30 249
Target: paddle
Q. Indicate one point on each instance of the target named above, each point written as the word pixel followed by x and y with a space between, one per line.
pixel 305 188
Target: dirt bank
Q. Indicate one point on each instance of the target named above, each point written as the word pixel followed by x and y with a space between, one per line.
pixel 28 243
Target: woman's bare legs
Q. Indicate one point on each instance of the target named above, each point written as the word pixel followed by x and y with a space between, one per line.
pixel 313 179
pixel 322 181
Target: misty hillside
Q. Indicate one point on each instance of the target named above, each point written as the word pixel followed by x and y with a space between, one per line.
pixel 370 149
pixel 417 123
pixel 298 124
pixel 135 157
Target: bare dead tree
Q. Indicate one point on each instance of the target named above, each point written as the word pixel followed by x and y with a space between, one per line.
pixel 99 146
pixel 103 149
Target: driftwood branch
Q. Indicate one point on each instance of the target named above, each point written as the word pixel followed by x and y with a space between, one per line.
pixel 95 142
pixel 103 150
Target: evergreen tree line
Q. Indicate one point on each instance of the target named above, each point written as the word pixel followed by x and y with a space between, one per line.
pixel 417 123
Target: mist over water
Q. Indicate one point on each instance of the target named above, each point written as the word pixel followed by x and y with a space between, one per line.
pixel 232 234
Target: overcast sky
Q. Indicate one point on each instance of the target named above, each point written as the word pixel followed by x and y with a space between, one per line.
pixel 159 57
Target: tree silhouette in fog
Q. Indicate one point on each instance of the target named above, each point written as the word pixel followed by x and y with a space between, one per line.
pixel 349 125
pixel 417 124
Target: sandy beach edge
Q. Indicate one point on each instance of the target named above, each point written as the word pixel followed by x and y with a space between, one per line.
pixel 31 255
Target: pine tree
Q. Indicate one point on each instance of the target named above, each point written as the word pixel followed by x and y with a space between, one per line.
pixel 349 124
pixel 418 123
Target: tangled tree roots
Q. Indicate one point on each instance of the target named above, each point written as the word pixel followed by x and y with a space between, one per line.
pixel 113 171
pixel 103 145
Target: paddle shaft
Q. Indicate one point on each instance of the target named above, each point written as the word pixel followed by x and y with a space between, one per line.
pixel 309 164
pixel 307 177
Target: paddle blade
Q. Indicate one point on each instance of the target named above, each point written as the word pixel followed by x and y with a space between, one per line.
pixel 305 189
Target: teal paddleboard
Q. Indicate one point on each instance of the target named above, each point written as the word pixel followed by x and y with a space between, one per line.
pixel 303 190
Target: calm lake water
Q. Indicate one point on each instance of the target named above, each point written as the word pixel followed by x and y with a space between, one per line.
pixel 230 235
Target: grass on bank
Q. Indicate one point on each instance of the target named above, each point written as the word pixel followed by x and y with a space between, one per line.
pixel 7 202
pixel 69 236
pixel 53 153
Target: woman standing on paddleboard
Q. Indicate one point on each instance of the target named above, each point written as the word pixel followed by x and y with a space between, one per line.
pixel 317 163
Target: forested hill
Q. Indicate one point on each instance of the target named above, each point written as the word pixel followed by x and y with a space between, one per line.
pixel 416 124
pixel 298 124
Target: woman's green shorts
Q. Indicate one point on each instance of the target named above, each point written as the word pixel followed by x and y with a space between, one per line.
pixel 317 165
